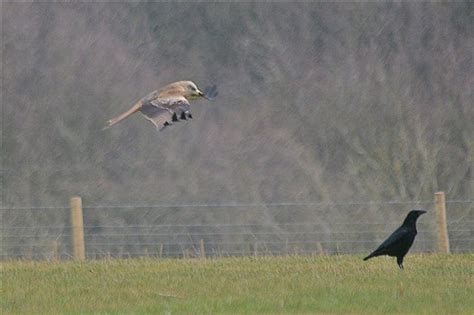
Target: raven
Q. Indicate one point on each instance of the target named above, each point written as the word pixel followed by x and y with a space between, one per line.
pixel 400 241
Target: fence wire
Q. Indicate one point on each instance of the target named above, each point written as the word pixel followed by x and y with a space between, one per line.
pixel 226 229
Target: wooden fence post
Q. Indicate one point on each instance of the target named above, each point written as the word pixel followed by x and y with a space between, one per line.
pixel 160 251
pixel 77 224
pixel 320 248
pixel 443 238
pixel 55 250
pixel 202 249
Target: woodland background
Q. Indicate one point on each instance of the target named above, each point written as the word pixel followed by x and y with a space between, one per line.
pixel 318 102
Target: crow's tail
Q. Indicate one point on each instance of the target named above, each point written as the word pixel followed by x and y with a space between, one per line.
pixel 370 256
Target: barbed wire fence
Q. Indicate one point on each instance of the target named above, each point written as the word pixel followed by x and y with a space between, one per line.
pixel 233 229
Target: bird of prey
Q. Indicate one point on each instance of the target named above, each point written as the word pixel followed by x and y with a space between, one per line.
pixel 400 241
pixel 167 105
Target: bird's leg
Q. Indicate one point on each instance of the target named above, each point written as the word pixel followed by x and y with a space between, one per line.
pixel 175 117
pixel 187 114
pixel 183 116
pixel 400 262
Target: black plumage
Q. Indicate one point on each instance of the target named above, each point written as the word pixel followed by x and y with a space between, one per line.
pixel 400 241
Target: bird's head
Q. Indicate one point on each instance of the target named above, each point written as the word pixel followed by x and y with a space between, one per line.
pixel 189 90
pixel 413 216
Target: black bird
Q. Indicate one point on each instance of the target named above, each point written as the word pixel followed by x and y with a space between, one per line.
pixel 400 241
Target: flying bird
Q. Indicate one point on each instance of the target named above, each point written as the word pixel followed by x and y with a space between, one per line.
pixel 400 241
pixel 167 105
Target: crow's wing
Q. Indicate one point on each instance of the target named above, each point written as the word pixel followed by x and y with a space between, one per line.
pixel 396 241
pixel 163 111
pixel 399 236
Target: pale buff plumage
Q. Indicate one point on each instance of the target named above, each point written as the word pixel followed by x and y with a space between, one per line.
pixel 167 105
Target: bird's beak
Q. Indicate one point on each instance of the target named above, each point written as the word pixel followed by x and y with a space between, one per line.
pixel 201 94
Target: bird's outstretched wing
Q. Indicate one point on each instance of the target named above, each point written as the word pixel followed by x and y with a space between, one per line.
pixel 162 112
pixel 160 117
pixel 397 239
pixel 177 105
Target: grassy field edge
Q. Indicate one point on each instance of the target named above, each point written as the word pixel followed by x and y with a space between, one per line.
pixel 431 283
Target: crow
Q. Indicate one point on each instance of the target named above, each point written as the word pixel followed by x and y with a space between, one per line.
pixel 400 241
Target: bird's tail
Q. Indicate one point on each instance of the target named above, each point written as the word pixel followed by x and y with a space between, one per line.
pixel 370 256
pixel 122 116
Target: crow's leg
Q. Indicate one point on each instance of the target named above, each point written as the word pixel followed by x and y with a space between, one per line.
pixel 400 261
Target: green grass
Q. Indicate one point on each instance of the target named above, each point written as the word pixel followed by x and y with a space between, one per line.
pixel 430 284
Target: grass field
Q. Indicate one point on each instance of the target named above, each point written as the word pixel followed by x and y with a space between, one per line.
pixel 430 284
